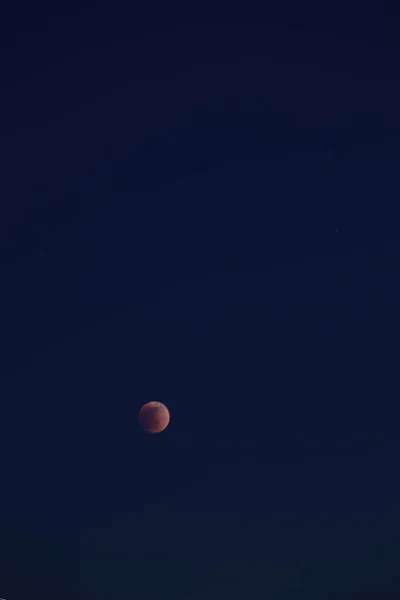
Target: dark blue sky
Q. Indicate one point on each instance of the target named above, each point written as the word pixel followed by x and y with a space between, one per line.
pixel 206 217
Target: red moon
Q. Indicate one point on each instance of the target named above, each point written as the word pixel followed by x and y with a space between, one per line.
pixel 154 417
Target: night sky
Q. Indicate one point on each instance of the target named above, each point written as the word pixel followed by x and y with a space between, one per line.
pixel 204 215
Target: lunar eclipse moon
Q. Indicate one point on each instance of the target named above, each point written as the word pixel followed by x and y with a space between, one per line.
pixel 154 417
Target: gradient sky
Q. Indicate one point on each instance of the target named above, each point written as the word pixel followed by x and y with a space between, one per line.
pixel 208 218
